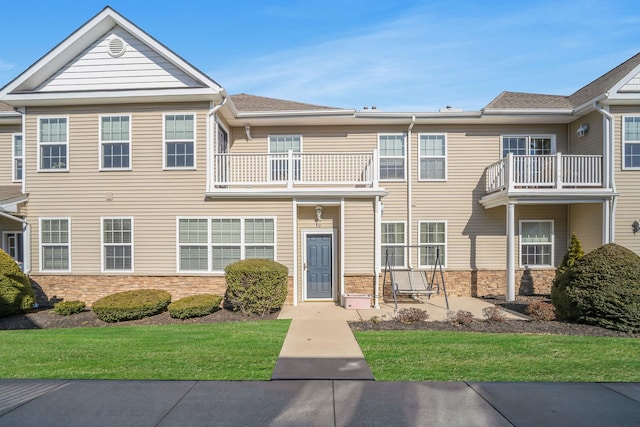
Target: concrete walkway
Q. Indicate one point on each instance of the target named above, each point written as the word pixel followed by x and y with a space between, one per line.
pixel 320 344
pixel 315 403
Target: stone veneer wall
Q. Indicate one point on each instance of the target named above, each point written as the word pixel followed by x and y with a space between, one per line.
pixel 468 283
pixel 50 289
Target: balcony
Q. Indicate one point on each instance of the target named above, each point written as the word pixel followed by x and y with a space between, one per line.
pixel 549 178
pixel 288 173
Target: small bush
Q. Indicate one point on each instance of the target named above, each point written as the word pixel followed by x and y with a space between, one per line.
pixel 255 286
pixel 574 253
pixel 541 311
pixel 194 306
pixel 460 317
pixel 411 315
pixel 66 308
pixel 16 293
pixel 130 305
pixel 494 314
pixel 602 288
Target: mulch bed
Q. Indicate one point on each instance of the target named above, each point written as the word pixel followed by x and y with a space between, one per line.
pixel 46 318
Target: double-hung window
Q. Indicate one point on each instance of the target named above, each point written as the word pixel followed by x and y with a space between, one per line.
pixel 279 147
pixel 17 157
pixel 631 142
pixel 179 141
pixel 55 246
pixel 432 238
pixel 115 142
pixel 391 149
pixel 210 244
pixel 117 244
pixel 393 244
pixel 536 243
pixel 53 143
pixel 433 157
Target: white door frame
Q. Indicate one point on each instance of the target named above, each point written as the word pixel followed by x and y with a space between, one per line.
pixel 319 231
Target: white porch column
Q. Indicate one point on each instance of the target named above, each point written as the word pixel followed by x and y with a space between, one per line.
pixel 377 251
pixel 511 269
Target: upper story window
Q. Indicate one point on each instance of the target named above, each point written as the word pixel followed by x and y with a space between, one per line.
pixel 528 145
pixel 53 143
pixel 179 141
pixel 433 157
pixel 536 243
pixel 279 147
pixel 17 157
pixel 115 142
pixel 391 149
pixel 631 142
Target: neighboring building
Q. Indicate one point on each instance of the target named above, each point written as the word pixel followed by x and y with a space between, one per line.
pixel 123 166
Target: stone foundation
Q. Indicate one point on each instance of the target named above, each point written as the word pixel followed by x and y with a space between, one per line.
pixel 51 289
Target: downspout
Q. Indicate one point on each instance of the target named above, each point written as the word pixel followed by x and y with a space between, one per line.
pixel 211 136
pixel 409 200
pixel 26 227
pixel 609 175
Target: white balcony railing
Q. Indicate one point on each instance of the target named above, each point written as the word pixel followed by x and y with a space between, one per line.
pixel 538 172
pixel 294 169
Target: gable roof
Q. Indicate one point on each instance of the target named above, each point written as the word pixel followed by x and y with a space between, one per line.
pixel 87 66
pixel 625 78
pixel 245 103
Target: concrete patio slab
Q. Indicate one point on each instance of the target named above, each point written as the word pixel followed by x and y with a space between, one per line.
pixel 412 404
pixel 561 404
pixel 277 403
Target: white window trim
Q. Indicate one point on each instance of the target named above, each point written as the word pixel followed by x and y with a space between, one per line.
pixel 40 144
pixel 210 245
pixel 102 245
pixel 553 239
pixel 625 142
pixel 101 143
pixel 383 257
pixel 445 157
pixel 164 141
pixel 40 245
pixel 14 157
pixel 403 157
pixel 529 136
pixel 445 244
pixel 280 153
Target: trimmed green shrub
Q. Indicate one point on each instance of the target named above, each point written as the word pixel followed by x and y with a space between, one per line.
pixel 255 286
pixel 574 253
pixel 16 293
pixel 130 305
pixel 195 306
pixel 66 308
pixel 602 288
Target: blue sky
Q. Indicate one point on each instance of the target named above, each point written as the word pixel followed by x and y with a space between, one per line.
pixel 399 55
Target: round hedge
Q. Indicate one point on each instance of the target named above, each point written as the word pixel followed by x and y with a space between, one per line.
pixel 256 286
pixel 16 293
pixel 195 306
pixel 602 288
pixel 130 305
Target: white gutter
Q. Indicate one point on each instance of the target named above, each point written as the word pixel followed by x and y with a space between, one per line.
pixel 409 187
pixel 211 137
pixel 609 175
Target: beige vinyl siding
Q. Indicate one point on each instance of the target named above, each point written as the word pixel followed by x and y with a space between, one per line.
pixel 628 205
pixel 6 153
pixel 585 220
pixel 591 143
pixel 476 237
pixel 359 236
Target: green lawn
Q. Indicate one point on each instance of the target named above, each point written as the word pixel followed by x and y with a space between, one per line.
pixel 221 351
pixel 460 356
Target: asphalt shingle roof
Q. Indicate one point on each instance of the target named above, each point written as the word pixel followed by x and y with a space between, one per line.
pixel 245 102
